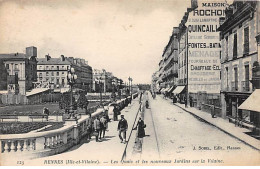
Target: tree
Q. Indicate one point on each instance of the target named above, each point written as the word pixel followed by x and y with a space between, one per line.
pixel 83 102
pixel 65 104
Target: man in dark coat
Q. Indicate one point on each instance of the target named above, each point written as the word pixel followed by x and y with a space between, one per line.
pixel 122 128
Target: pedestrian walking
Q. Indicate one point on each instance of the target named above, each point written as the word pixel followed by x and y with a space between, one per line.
pixel 212 111
pixel 122 128
pixel 140 128
pixel 115 110
pixel 97 127
pixel 103 126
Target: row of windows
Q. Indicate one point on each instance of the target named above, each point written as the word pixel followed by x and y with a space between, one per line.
pixel 234 84
pixel 246 43
pixel 52 73
pixel 53 80
pixel 54 67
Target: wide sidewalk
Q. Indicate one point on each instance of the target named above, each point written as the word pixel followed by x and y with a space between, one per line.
pixel 222 124
pixel 108 152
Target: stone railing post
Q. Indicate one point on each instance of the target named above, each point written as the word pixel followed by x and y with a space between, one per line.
pixel 40 143
pixel 64 138
pixel 76 134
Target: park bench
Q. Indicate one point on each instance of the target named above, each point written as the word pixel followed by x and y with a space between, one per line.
pixel 43 116
pixel 9 117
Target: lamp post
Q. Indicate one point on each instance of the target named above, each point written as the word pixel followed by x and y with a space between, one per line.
pixel 119 88
pixel 130 85
pixel 71 77
pixel 98 80
pixel 113 88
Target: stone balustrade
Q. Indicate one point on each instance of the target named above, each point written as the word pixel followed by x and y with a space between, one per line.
pixel 46 143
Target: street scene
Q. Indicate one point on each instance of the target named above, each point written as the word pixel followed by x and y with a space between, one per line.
pixel 130 83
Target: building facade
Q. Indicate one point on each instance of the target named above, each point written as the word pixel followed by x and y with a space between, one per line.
pixel 53 71
pixel 84 73
pixel 100 80
pixel 239 55
pixel 21 70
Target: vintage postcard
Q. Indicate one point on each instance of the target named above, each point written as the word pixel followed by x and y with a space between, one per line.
pixel 129 83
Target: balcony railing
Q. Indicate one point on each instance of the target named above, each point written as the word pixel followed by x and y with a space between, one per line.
pixel 245 86
pixel 234 86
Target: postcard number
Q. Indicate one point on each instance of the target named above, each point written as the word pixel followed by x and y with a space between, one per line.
pixel 20 162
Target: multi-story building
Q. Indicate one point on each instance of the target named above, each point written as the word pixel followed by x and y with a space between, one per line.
pixel 100 80
pixel 199 54
pixel 182 59
pixel 170 59
pixel 53 71
pixel 239 55
pixel 21 70
pixel 84 73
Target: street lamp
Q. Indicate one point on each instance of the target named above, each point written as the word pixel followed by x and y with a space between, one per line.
pixel 71 77
pixel 130 85
pixel 99 81
pixel 113 92
pixel 119 88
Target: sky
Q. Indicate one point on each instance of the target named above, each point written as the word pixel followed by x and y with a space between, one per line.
pixel 125 37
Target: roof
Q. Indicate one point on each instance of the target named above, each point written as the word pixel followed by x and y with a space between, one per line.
pixel 252 102
pixel 36 91
pixel 52 61
pixel 13 56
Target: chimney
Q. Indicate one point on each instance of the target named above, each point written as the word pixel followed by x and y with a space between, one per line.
pixel 47 57
pixel 194 4
pixel 62 57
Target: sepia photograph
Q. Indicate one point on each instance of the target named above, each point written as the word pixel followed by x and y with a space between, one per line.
pixel 129 83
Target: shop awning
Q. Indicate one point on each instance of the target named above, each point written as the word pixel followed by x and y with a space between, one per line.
pixel 252 102
pixel 163 89
pixel 36 91
pixel 170 89
pixel 166 89
pixel 178 89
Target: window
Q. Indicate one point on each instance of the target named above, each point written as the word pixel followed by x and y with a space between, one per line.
pixel 235 46
pixel 63 82
pixel 68 67
pixel 52 73
pixel 7 66
pixel 57 67
pixel 52 67
pixel 246 40
pixel 47 67
pixel 236 78
pixel 47 79
pixel 246 85
pixel 226 47
pixel 58 73
pixel 227 78
pixel 62 73
pixel 47 73
pixel 52 80
pixel 58 81
pixel 40 74
pixel 16 66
